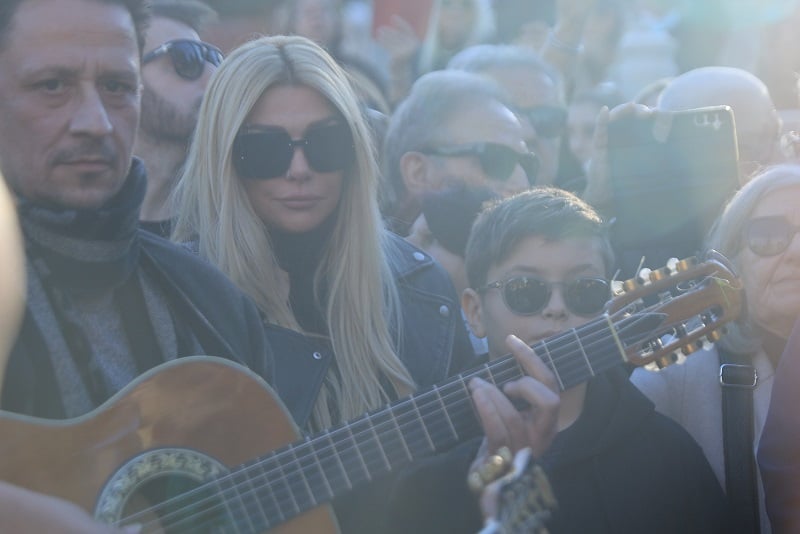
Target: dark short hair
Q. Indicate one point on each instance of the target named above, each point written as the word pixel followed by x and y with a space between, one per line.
pixel 547 212
pixel 138 9
pixel 192 13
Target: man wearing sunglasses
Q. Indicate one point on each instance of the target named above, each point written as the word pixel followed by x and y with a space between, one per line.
pixel 536 94
pixel 176 67
pixel 454 128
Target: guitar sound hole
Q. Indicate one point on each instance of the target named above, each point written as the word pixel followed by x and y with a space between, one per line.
pixel 173 504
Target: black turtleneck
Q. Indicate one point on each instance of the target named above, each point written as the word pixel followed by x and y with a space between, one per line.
pixel 299 254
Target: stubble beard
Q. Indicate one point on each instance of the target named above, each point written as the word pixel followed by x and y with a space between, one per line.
pixel 162 120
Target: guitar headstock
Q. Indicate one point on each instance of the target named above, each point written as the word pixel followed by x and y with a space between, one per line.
pixel 525 498
pixel 693 300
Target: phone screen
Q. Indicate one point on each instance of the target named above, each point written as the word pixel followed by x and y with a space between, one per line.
pixel 671 173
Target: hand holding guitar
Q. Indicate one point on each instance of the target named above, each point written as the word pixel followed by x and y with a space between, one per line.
pixel 26 511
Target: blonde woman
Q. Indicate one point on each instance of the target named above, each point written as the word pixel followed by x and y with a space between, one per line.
pixel 279 191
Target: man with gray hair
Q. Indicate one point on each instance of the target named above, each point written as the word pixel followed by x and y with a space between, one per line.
pixel 454 127
pixel 536 93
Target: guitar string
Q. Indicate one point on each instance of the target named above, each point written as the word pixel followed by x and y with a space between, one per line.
pixel 466 402
pixel 499 375
pixel 262 511
pixel 295 468
pixel 468 405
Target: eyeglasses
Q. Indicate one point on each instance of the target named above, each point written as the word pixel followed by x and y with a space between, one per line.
pixel 267 152
pixel 527 295
pixel 548 121
pixel 188 57
pixel 769 236
pixel 497 161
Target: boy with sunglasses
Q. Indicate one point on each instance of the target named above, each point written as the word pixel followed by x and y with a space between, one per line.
pixel 538 264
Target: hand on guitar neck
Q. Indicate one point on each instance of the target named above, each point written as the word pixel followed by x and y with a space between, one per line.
pixel 504 424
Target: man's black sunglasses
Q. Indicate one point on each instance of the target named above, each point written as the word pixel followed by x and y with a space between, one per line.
pixel 548 121
pixel 528 295
pixel 267 152
pixel 188 57
pixel 497 161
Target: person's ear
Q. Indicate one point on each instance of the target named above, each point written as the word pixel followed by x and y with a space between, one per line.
pixel 415 168
pixel 473 311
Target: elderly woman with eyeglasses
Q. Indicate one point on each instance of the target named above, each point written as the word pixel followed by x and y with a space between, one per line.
pixel 721 395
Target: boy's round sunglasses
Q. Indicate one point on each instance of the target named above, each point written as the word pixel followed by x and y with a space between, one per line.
pixel 267 152
pixel 528 295
pixel 188 57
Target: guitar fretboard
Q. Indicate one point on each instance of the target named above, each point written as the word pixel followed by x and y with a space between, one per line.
pixel 289 481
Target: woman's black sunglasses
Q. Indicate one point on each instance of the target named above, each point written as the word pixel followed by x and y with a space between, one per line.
pixel 267 152
pixel 497 161
pixel 188 57
pixel 527 295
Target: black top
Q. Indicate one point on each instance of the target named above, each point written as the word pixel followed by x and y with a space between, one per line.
pixel 622 467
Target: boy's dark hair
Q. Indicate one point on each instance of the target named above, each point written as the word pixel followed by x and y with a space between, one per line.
pixel 192 13
pixel 547 212
pixel 139 10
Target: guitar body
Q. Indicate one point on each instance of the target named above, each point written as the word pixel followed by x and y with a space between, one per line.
pixel 160 451
pixel 215 411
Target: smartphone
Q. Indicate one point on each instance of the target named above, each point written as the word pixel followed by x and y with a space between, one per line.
pixel 415 12
pixel 670 173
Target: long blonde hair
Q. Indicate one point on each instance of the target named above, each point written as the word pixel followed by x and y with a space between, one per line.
pixel 214 208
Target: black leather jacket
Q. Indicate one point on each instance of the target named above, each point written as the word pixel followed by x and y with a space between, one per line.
pixel 434 341
pixel 224 320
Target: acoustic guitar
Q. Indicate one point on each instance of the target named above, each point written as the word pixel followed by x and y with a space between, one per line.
pixel 200 444
pixel 525 499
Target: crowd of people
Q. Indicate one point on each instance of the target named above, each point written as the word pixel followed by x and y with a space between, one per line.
pixel 357 212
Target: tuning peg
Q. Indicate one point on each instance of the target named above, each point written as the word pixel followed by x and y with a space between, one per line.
pixel 714 336
pixel 617 287
pixel 644 275
pixel 667 360
pixel 630 285
pixel 686 264
pixel 689 348
pixel 493 468
pixel 659 274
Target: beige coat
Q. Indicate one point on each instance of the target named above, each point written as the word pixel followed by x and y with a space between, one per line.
pixel 690 393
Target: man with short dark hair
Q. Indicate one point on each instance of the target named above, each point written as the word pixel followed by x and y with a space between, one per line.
pixel 106 301
pixel 176 68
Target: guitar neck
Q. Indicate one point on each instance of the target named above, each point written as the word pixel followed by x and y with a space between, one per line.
pixel 300 476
